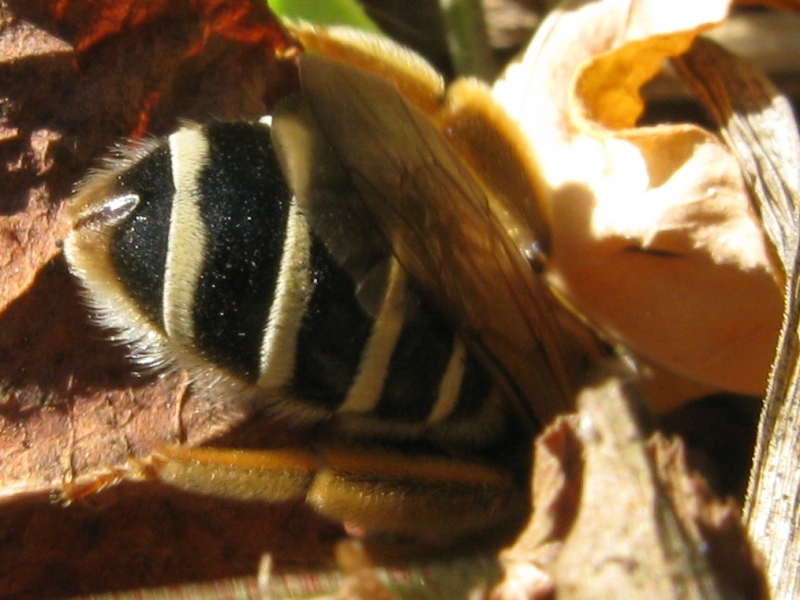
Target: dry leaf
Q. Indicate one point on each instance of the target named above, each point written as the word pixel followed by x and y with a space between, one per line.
pixel 621 516
pixel 86 23
pixel 759 125
pixel 654 237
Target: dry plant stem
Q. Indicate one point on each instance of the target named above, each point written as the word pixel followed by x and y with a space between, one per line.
pixel 458 578
pixel 627 540
pixel 760 128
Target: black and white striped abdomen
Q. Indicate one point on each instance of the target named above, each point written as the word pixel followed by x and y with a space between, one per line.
pixel 208 241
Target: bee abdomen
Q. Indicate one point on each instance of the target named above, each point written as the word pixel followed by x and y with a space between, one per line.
pixel 221 260
pixel 212 247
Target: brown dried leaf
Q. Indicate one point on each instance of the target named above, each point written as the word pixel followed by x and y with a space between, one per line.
pixel 86 23
pixel 759 125
pixel 713 525
pixel 793 5
pixel 654 237
pixel 621 516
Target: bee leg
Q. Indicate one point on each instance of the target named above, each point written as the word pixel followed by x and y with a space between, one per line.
pixel 433 501
pixel 269 475
pixel 436 501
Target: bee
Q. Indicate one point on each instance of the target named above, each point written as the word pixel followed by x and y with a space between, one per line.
pixel 357 263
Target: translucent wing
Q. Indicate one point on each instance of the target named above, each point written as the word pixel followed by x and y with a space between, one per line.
pixel 325 192
pixel 387 165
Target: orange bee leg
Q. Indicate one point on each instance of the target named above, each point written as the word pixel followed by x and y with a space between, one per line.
pixel 438 501
pixel 433 501
pixel 270 475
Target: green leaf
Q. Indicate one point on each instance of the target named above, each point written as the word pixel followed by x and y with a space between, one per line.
pixel 325 12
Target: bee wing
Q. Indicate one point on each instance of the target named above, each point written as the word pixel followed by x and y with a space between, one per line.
pixel 398 174
pixel 324 191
